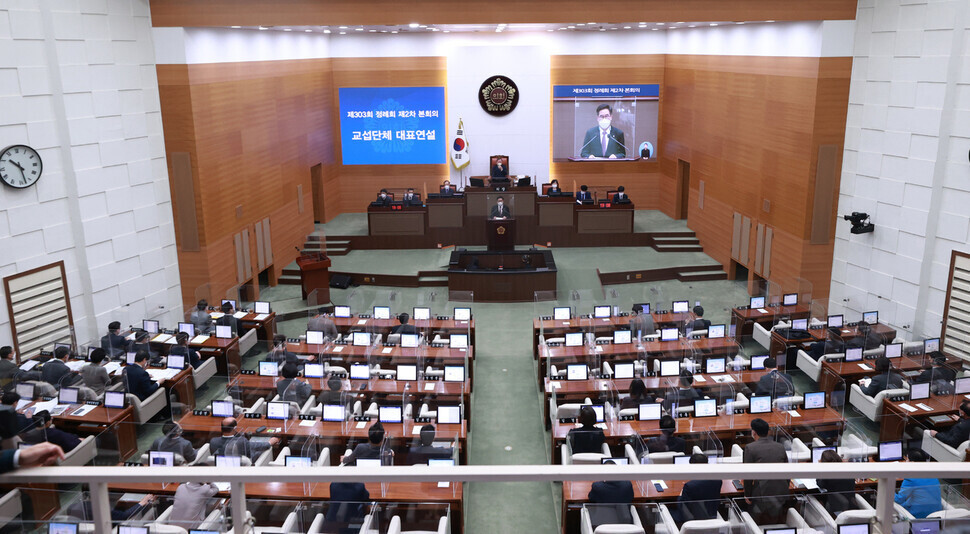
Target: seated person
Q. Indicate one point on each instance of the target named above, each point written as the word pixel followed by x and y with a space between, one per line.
pixel 500 171
pixel 884 379
pixel 113 342
pixel 587 437
pixel 13 422
pixel 958 433
pixel 938 372
pixel 55 370
pixel 46 431
pixel 232 443
pixel 348 503
pixel 447 189
pixel 189 506
pixel 919 496
pixel 620 197
pixel 200 317
pixel 141 342
pixel 369 450
pixel 774 382
pixel 137 380
pixel 279 354
pixel 182 348
pixel 700 323
pixel 641 324
pixel 500 210
pixel 838 491
pixel 420 454
pixel 229 320
pixel 553 189
pixel 832 345
pixel 94 375
pixel 584 196
pixel 331 395
pixel 404 327
pixel 323 323
pixel 172 441
pixel 667 441
pixel 411 199
pixel 383 199
pixel 290 388
pixel 686 393
pixel 638 395
pixel 618 492
pixel 698 500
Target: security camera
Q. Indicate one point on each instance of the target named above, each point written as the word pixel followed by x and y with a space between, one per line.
pixel 860 224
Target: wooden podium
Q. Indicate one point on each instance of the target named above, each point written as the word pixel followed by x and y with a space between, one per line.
pixel 315 275
pixel 501 234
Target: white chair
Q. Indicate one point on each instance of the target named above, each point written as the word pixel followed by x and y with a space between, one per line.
pixel 761 336
pixel 586 525
pixel 85 452
pixel 697 526
pixel 567 411
pixel 305 409
pixel 247 342
pixel 799 451
pixel 317 525
pixel 872 407
pixel 810 366
pixel 432 372
pixel 874 353
pixel 697 334
pixel 427 412
pixel 950 513
pixel 583 458
pixel 146 409
pixel 10 507
pixel 790 402
pixel 941 452
pixel 793 520
pixel 85 393
pixel 205 371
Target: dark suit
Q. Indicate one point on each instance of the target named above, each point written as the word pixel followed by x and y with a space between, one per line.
pixel 404 329
pixel 838 496
pixel 586 439
pixel 499 174
pixel 584 196
pixel 64 440
pixel 618 492
pixel 956 434
pixel 231 322
pixel 7 369
pixel 700 324
pixel 415 200
pixel 698 500
pixel 346 502
pixel 329 396
pixel 53 371
pixel 6 460
pixel 449 191
pixel 883 381
pixel 237 445
pixel 496 212
pixel 620 198
pixel 191 355
pixel 177 445
pixel 138 382
pixel 114 345
pixel 421 454
pixel 386 201
pixel 666 443
pixel 592 144
pixel 282 356
pixel 367 451
pixel 936 373
pixel 292 390
pixel 775 383
pixel 767 496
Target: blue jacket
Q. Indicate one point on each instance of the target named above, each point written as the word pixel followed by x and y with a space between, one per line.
pixel 920 496
pixel 139 382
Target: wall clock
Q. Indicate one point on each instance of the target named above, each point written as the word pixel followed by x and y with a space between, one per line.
pixel 20 166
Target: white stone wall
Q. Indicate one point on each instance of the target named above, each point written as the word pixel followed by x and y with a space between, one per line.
pixel 78 83
pixel 905 162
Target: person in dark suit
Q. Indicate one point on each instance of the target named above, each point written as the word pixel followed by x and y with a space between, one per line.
pixel 172 441
pixel 699 323
pixel 34 456
pixel 958 433
pixel 404 327
pixel 610 492
pixel 331 395
pixel 838 491
pixel 137 381
pixel 46 431
pixel 291 388
pixel 500 171
pixel 553 189
pixel 699 498
pixel 638 395
pixel 686 393
pixel 347 503
pixel 279 354
pixel 383 199
pixel 182 348
pixel 641 324
pixel 766 497
pixel 587 437
pixel 884 379
pixel 620 196
pixel 9 369
pixel 584 196
pixel 603 140
pixel 369 450
pixel 500 210
pixel 113 342
pixel 425 450
pixel 55 370
pixel 233 443
pixel 16 422
pixel 142 342
pixel 323 323
pixel 410 199
pixel 938 371
pixel 229 320
pixel 667 441
pixel 774 382
pixel 201 318
pixel 447 189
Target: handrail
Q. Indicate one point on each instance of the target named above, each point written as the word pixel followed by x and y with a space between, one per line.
pixel 99 477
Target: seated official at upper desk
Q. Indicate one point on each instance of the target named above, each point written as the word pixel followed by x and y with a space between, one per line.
pixel 620 197
pixel 499 171
pixel 410 198
pixel 383 199
pixel 447 189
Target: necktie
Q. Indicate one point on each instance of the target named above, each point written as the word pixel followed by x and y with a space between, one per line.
pixel 604 142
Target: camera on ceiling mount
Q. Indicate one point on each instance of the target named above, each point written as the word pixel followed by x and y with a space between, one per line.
pixel 860 222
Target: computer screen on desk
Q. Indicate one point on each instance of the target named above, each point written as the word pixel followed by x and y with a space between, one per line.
pixel 859 528
pixel 779 531
pixel 925 526
pixel 114 399
pixel 62 528
pixel 962 386
pixel 834 321
pixel 407 372
pixel 368 462
pixel 149 326
pixel 175 361
pixel 577 371
pixel 817 452
pixel 67 396
pixel 799 324
pixel 894 350
pixel 261 307
pixel 359 371
pixel 705 408
pixel 463 314
pixel 601 312
pixel 130 358
pixel 715 331
pixel 313 370
pixel 814 399
pixel 574 339
pixel 623 370
pixel 278 410
pixel 269 369
pixel 297 461
pixel 421 313
pixel 161 458
pixel 714 365
pixel 223 331
pixel 132 530
pixel 232 303
pixel 409 341
pixel 389 414
pixel 669 334
pixel 757 302
pixel 314 337
pixel 222 408
pixel 645 307
pixel 649 412
pixel 758 362
pixel 458 341
pixel 342 312
pixel 382 312
pixel 621 337
pixel 562 313
pixel 854 354
pixel 333 412
pixel 919 391
pixel 454 373
pixel 789 299
pixel 599 411
pixel 361 339
pixel 930 345
pixel 26 391
pixel 449 415
pixel 669 367
pixel 760 403
pixel 188 328
pixel 681 306
pixel 871 317
pixel 890 451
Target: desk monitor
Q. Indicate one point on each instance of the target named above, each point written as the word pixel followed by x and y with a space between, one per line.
pixel 458 341
pixel 600 413
pixel 62 528
pixel 409 341
pixel 835 321
pixel 91 349
pixel 407 372
pixel 649 412
pixel 645 307
pixel 175 361
pixel 817 452
pixel 714 365
pixel 870 317
pixel 919 391
pixel 682 459
pixel 574 339
pixel 130 358
pixel 715 331
pixel 930 345
pixel 616 461
pixel 333 413
pixel 449 415
pixel 279 411
pixel 890 451
pixel 623 370
pixel 669 367
pixel 223 331
pixel 853 354
pixel 758 362
pixel 757 302
pixel 188 328
pixel 894 350
pixel 161 458
pixel 228 461
pixel 814 399
pixel 961 386
pixel 924 526
pixel 779 531
pixel 65 345
pixel 681 306
pixel 421 314
pixel 361 339
pixel 382 312
pixel 602 312
pixel 562 313
pixel 359 371
pixel 67 396
pixel 577 371
pixel 389 414
pixel 760 404
pixel 313 370
pixel 114 399
pixel 621 337
pixel 297 461
pixel 314 337
pixel 441 462
pixel 149 326
pixel 231 302
pixel 669 334
pixel 463 314
pixel 269 369
pixel 342 312
pixel 858 528
pixel 705 408
pixel 368 462
pixel 789 299
pixel 261 307
pixel 799 324
pixel 26 390
pixel 454 373
pixel 222 408
pixel 132 530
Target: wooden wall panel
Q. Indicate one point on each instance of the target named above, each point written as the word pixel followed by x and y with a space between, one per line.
pixel 333 12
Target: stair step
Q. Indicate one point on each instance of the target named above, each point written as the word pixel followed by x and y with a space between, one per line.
pixel 338 241
pixel 290 272
pixel 702 275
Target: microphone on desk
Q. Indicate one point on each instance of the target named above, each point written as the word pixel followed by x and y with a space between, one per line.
pixel 587 144
pixel 619 143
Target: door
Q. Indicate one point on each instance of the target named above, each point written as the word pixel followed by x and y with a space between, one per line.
pixel 683 188
pixel 316 183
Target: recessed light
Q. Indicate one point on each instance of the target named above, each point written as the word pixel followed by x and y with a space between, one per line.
pixel 342 27
pixel 393 31
pixel 550 30
pixel 661 23
pixel 655 29
pixel 739 22
pixel 571 27
pixel 262 28
pixel 326 31
pixel 446 31
pixel 413 25
pixel 602 29
pixel 769 21
pixel 372 31
pixel 237 27
pixel 287 29
pixel 308 31
pixel 581 24
pixel 626 27
pixel 590 23
pixel 343 33
pixel 692 26
pixel 358 29
pixel 713 24
pixel 680 22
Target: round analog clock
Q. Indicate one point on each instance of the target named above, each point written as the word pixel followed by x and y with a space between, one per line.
pixel 20 166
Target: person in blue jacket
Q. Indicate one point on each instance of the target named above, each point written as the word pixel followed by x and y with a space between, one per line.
pixel 919 496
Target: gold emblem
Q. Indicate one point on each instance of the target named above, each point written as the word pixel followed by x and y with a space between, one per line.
pixel 500 230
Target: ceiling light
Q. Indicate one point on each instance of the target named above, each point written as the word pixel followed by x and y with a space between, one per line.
pixel 571 27
pixel 769 21
pixel 550 30
pixel 343 33
pixel 661 23
pixel 326 31
pixel 262 28
pixel 602 29
pixel 343 27
pixel 680 22
pixel 581 24
pixel 692 26
pixel 654 29
pixel 287 29
pixel 740 22
pixel 393 31
pixel 358 29
pixel 237 27
pixel 446 31
pixel 626 27
pixel 308 31
pixel 372 31
pixel 591 23
pixel 413 25
pixel 713 24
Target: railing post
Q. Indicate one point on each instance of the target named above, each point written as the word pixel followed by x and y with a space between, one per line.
pixel 885 493
pixel 100 507
pixel 237 491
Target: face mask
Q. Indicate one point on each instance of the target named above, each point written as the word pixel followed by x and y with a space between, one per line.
pixel 383 195
pixel 604 123
pixel 499 205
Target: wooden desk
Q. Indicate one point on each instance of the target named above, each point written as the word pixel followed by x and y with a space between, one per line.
pixel 780 345
pixel 446 212
pixel 552 328
pixel 381 354
pixel 503 276
pixel 592 219
pixel 520 200
pixel 409 220
pixel 443 391
pixel 895 418
pixel 744 318
pixel 556 211
pixel 120 422
pixel 851 371
pixel 225 350
pixel 265 328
